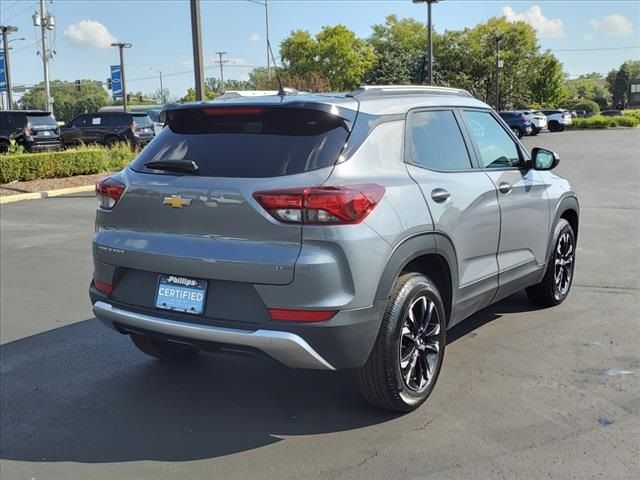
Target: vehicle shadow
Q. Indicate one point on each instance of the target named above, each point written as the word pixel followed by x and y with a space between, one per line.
pixel 82 393
pixel 516 303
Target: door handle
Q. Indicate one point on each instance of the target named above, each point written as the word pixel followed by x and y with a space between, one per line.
pixel 439 195
pixel 505 188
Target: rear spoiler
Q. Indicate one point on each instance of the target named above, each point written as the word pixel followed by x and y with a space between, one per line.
pixel 348 115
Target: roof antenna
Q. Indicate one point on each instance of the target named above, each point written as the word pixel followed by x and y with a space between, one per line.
pixel 281 90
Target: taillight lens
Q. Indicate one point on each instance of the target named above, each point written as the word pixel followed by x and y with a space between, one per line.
pixel 303 316
pixel 103 287
pixel 108 192
pixel 339 205
pixel 28 131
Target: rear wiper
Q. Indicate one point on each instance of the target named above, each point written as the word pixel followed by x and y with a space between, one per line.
pixel 182 166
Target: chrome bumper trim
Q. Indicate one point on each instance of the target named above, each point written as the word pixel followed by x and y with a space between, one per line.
pixel 287 348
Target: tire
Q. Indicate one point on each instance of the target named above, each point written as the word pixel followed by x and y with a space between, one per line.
pixel 111 141
pixel 4 146
pixel 169 352
pixel 535 131
pixel 383 379
pixel 554 126
pixel 556 283
pixel 517 132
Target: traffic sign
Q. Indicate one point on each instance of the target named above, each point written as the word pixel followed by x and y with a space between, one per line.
pixel 3 74
pixel 116 81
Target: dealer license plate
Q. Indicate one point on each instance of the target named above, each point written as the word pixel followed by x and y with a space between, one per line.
pixel 181 294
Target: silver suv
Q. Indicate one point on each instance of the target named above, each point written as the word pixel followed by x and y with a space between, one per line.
pixel 330 232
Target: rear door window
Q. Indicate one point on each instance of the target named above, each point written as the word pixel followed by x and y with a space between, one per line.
pixel 435 141
pixel 248 142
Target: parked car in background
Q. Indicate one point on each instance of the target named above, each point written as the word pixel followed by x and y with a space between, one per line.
pixel 35 130
pixel 155 114
pixel 612 113
pixel 344 231
pixel 558 119
pixel 518 122
pixel 538 120
pixel 581 113
pixel 108 128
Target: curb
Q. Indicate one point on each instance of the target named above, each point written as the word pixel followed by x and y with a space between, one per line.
pixel 50 193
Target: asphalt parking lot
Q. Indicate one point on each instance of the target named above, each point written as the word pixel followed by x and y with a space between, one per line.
pixel 524 393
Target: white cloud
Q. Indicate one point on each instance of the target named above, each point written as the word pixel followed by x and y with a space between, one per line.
pixel 254 37
pixel 613 25
pixel 89 33
pixel 588 37
pixel 546 27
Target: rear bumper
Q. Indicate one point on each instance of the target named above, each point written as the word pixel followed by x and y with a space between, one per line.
pixel 343 342
pixel 41 146
pixel 288 348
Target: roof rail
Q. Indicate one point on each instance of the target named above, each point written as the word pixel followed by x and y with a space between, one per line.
pixel 384 90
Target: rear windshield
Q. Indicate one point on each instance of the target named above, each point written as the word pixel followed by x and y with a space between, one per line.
pixel 248 142
pixel 142 120
pixel 48 120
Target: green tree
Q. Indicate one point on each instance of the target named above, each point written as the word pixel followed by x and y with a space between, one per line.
pixel 335 53
pixel 400 47
pixel 621 87
pixel 547 81
pixel 466 59
pixel 68 101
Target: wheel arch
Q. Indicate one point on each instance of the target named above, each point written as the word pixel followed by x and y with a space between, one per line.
pixel 431 254
pixel 568 209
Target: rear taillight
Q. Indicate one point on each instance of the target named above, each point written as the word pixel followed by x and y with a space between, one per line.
pixel 108 192
pixel 103 287
pixel 27 130
pixel 339 205
pixel 307 316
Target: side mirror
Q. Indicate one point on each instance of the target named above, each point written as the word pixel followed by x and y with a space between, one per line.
pixel 543 159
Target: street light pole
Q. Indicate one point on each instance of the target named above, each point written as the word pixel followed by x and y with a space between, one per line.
pixel 121 46
pixel 196 38
pixel 265 4
pixel 498 38
pixel 429 39
pixel 6 30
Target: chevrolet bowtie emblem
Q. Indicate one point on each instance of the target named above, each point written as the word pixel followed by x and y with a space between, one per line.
pixel 176 201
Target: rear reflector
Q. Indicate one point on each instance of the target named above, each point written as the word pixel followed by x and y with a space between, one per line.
pixel 347 204
pixel 301 315
pixel 108 192
pixel 103 287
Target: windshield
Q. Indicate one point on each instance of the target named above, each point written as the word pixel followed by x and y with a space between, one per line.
pixel 142 120
pixel 249 141
pixel 44 119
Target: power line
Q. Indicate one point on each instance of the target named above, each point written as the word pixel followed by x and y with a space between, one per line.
pixel 11 5
pixel 29 7
pixel 593 49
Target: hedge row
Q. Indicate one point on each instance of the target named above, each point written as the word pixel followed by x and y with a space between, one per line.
pixel 599 121
pixel 83 161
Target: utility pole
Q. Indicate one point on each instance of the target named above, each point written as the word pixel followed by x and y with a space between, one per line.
pixel 121 46
pixel 45 22
pixel 6 30
pixel 196 38
pixel 498 65
pixel 429 39
pixel 221 62
pixel 162 99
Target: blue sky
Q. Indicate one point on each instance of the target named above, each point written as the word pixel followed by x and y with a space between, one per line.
pixel 160 32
